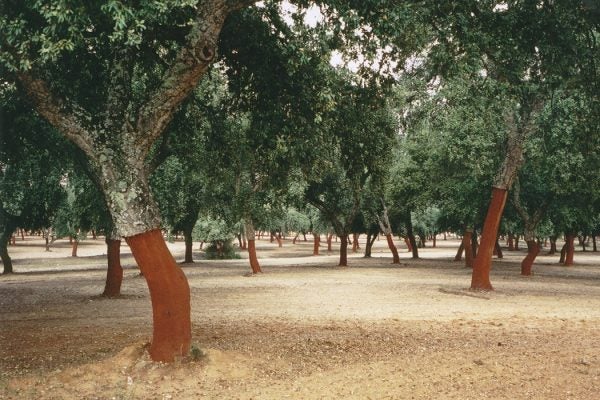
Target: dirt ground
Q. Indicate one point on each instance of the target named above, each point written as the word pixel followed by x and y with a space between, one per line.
pixel 305 329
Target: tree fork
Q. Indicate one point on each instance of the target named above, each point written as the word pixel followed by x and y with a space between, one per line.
pixel 169 293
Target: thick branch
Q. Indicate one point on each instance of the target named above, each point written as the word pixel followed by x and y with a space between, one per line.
pixel 191 63
pixel 67 120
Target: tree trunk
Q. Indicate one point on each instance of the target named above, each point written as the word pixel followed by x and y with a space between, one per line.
pixel 355 242
pixel 434 239
pixel 533 249
pixel 343 250
pixel 563 254
pixel 511 242
pixel 329 240
pixel 498 250
pixel 468 245
pixel 517 242
pixel 250 237
pixel 5 236
pixel 169 292
pixel 369 244
pixel 583 240
pixel 295 238
pixel 114 273
pixel 480 279
pixel 239 238
pixel 393 249
pixel 74 248
pixel 316 243
pixel 474 244
pixel 304 235
pixel 278 238
pixel 459 252
pixel 594 247
pixel 408 245
pixel 570 249
pixel 412 240
pixel 552 245
pixel 187 236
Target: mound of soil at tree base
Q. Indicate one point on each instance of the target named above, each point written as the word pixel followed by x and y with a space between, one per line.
pixel 309 330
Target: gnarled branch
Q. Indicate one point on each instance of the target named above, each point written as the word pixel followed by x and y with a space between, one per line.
pixel 69 121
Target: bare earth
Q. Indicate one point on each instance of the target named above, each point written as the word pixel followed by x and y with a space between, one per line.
pixel 305 329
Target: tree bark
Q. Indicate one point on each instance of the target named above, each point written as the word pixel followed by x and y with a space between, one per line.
pixel 459 252
pixel 511 242
pixel 355 246
pixel 468 245
pixel 517 242
pixel 316 243
pixel 279 241
pixel 393 249
pixel 343 250
pixel 498 250
pixel 480 279
pixel 552 245
pixel 369 244
pixel 189 242
pixel 170 295
pixel 408 244
pixel 295 238
pixel 570 249
pixel 533 249
pixel 250 237
pixel 411 239
pixel 594 247
pixel 114 273
pixel 329 240
pixel 5 236
pixel 74 247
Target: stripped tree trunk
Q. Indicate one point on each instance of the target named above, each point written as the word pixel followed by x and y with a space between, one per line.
pixel 250 237
pixel 511 242
pixel 533 249
pixel 408 245
pixel 114 273
pixel 518 130
pixel 316 243
pixel 386 228
pixel 468 245
pixel 329 240
pixel 569 249
pixel 74 247
pixel 189 242
pixel 169 292
pixel 7 227
pixel 498 250
pixel 343 250
pixel 355 246
pixel 459 252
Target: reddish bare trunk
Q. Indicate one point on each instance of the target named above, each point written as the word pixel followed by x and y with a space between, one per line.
pixel 552 245
pixel 329 239
pixel 459 252
pixel 480 280
pixel 434 240
pixel 408 245
pixel 355 242
pixel 498 250
pixel 468 245
pixel 187 236
pixel 74 248
pixel 114 273
pixel 170 295
pixel 343 251
pixel 316 244
pixel 570 249
pixel 279 241
pixel 393 249
pixel 533 249
pixel 253 258
pixel 511 242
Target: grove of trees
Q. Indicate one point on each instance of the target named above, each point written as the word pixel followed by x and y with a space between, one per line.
pixel 222 118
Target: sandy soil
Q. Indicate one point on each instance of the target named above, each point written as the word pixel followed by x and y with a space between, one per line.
pixel 305 329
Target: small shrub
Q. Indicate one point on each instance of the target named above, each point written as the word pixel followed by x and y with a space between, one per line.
pixel 221 250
